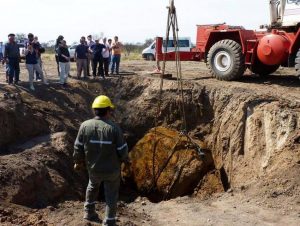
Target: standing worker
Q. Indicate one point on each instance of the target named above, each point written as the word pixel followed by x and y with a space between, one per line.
pixel 116 55
pixel 100 146
pixel 12 59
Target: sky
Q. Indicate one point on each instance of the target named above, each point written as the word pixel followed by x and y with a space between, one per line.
pixel 132 20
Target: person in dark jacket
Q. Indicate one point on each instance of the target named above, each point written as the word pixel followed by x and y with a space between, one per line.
pixel 101 147
pixel 32 65
pixel 12 59
pixel 97 50
pixel 57 45
pixel 37 47
pixel 64 62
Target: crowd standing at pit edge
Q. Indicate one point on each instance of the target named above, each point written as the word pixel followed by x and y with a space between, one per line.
pixel 103 56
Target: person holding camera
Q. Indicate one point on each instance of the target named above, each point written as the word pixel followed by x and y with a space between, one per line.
pixel 32 65
pixel 33 40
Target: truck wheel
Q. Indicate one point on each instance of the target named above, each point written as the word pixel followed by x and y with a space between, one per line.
pixel 226 60
pixel 150 57
pixel 297 64
pixel 263 69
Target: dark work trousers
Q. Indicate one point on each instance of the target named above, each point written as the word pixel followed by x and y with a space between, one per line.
pixel 98 61
pixel 106 62
pixel 13 70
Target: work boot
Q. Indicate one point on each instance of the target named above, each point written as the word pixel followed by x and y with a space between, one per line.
pixel 109 222
pixel 91 216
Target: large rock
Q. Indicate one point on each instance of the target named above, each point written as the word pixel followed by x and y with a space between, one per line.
pixel 164 164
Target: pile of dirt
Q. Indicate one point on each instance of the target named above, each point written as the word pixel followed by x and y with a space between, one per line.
pixel 165 164
pixel 19 122
pixel 41 174
pixel 36 166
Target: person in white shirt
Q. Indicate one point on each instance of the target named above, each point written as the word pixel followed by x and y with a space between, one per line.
pixel 106 56
pixel 89 43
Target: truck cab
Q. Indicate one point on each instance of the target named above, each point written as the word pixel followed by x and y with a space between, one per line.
pixel 184 43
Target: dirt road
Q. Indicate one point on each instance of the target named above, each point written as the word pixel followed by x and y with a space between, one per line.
pixel 251 126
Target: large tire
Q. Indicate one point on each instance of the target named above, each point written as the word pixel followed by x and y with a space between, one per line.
pixel 226 60
pixel 263 69
pixel 297 64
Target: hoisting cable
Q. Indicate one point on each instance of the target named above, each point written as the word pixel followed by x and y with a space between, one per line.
pixel 172 23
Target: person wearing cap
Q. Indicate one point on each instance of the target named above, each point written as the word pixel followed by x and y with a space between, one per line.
pixel 101 148
pixel 12 59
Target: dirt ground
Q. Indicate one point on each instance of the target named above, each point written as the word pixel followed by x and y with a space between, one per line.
pixel 251 126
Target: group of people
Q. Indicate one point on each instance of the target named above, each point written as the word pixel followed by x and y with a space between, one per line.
pixel 11 56
pixel 89 53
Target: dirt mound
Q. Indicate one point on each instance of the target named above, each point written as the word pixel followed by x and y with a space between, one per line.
pixel 36 166
pixel 19 122
pixel 40 175
pixel 166 165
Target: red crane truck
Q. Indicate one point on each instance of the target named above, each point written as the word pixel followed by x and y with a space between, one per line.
pixel 230 50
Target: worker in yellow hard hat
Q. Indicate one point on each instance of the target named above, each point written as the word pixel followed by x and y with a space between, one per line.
pixel 101 147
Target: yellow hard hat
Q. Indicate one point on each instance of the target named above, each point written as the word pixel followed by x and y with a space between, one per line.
pixel 102 102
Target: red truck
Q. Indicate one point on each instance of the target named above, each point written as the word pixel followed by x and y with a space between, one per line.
pixel 230 50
